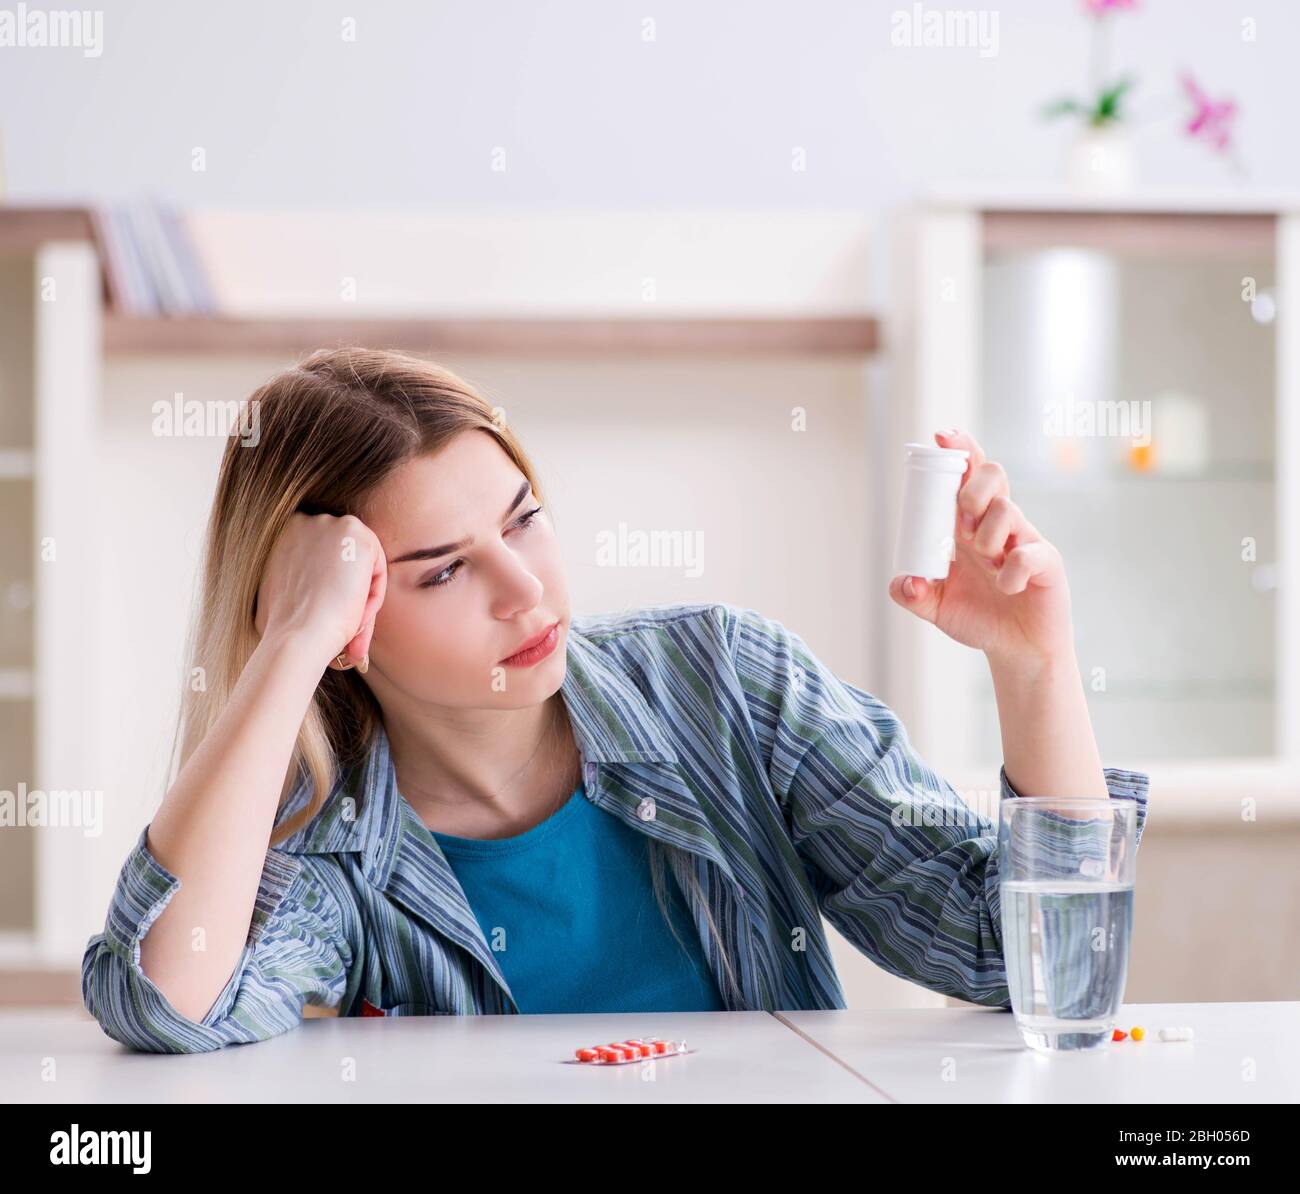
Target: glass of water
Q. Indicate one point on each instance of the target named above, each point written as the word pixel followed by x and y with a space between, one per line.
pixel 1066 871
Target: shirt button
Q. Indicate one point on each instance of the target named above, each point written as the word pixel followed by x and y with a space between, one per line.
pixel 646 809
pixel 589 770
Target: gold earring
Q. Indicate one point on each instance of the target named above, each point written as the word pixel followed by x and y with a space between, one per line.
pixel 343 661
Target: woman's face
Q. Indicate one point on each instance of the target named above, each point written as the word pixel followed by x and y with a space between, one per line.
pixel 449 621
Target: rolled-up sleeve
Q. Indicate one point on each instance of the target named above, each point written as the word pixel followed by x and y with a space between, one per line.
pixel 297 952
pixel 900 864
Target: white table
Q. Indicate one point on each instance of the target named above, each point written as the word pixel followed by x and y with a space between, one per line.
pixel 1242 1053
pixel 742 1057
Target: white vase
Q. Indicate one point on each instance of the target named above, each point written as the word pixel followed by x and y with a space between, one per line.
pixel 1102 161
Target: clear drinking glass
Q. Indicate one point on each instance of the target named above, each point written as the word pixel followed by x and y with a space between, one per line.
pixel 1067 868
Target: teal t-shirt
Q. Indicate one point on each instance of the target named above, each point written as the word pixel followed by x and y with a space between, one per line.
pixel 571 901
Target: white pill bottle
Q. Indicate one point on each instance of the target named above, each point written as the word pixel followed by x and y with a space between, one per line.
pixel 928 522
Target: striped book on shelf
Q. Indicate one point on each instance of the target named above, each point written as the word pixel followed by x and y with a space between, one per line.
pixel 150 261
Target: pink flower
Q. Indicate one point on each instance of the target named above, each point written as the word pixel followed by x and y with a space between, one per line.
pixel 1100 7
pixel 1211 119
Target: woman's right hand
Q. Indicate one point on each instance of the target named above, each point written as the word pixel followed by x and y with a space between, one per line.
pixel 325 578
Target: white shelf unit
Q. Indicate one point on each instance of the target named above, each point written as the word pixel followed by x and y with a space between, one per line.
pixel 49 351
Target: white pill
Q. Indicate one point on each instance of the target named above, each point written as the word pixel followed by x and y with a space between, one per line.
pixel 1176 1034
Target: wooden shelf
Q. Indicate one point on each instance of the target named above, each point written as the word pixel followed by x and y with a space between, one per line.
pixel 25 229
pixel 22 230
pixel 1140 234
pixel 853 335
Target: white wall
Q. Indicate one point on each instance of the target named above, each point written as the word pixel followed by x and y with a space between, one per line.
pixel 592 115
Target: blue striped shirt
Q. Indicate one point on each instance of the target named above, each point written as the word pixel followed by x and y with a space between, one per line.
pixel 708 727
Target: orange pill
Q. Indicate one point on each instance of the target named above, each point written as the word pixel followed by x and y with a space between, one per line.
pixel 1138 1033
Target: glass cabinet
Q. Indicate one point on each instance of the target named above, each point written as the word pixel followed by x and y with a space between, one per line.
pixel 1134 369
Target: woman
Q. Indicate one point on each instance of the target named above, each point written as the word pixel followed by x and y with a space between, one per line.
pixel 470 794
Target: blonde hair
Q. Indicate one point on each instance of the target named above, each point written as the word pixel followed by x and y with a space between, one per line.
pixel 331 429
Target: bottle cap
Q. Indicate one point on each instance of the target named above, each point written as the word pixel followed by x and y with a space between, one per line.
pixel 927 456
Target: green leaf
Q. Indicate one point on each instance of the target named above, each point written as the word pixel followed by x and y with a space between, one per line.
pixel 1061 107
pixel 1108 101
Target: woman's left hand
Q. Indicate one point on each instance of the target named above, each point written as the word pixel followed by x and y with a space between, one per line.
pixel 1006 592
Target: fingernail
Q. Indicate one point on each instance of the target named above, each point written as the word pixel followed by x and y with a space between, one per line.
pixel 948 432
pixel 908 587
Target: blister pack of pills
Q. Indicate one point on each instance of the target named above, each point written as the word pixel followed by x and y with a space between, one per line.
pixel 634 1049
